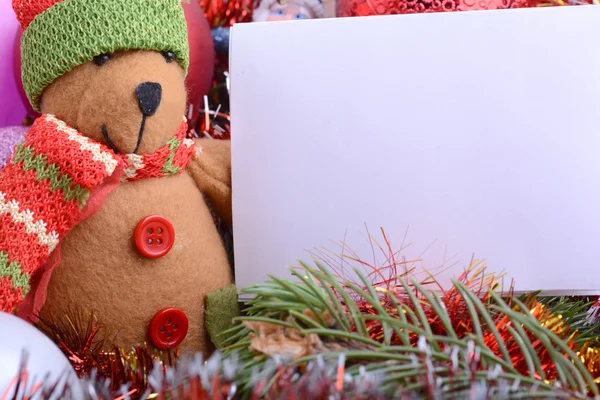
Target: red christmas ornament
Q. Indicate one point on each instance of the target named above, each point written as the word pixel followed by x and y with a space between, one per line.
pixel 360 8
pixel 202 53
pixel 226 13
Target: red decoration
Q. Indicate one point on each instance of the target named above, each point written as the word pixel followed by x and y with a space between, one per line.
pixel 202 53
pixel 168 328
pixel 385 277
pixel 226 13
pixel 211 124
pixel 83 339
pixel 357 8
pixel 154 236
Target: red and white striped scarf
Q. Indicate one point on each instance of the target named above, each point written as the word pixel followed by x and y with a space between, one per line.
pixel 56 178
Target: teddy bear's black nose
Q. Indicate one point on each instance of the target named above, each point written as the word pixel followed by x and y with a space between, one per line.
pixel 149 95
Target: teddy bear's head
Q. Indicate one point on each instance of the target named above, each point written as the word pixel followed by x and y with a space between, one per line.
pixel 112 69
pixel 133 101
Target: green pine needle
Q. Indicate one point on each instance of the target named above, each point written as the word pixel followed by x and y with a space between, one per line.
pixel 319 305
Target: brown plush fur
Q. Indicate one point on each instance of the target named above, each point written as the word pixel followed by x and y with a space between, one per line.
pixel 101 270
pixel 91 96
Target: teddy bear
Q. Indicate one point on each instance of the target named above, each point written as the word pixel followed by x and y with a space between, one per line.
pixel 107 205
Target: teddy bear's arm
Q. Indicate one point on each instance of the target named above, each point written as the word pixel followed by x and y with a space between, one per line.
pixel 211 169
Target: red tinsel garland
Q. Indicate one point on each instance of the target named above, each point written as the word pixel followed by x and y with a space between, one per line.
pixel 226 13
pixel 83 340
pixel 386 279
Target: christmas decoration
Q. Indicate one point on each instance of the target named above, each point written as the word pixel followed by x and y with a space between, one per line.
pixel 83 339
pixel 226 13
pixel 21 345
pixel 278 10
pixel 554 3
pixel 352 329
pixel 209 115
pixel 211 123
pixel 280 357
pixel 357 8
pixel 10 136
pixel 417 339
pixel 117 82
pixel 220 37
pixel 202 52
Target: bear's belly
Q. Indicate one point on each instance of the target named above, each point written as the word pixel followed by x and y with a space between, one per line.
pixel 103 272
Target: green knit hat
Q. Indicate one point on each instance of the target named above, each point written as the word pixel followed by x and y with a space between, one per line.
pixel 62 34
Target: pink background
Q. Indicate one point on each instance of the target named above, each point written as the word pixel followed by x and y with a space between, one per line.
pixel 12 109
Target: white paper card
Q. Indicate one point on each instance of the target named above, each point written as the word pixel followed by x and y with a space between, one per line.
pixel 463 134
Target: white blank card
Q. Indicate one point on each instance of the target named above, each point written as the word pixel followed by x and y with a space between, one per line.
pixel 460 134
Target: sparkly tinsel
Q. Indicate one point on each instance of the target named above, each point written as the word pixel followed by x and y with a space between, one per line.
pixel 324 378
pixel 381 335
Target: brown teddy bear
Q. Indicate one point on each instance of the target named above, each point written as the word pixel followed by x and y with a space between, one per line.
pixel 102 206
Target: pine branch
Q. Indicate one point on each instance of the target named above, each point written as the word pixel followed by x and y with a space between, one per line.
pixel 574 312
pixel 421 350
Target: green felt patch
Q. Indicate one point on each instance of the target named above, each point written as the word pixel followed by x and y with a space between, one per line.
pixel 221 308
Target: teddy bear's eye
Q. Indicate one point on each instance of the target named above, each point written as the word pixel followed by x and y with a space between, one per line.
pixel 102 59
pixel 169 56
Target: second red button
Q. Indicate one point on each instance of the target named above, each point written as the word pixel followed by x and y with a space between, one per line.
pixel 168 328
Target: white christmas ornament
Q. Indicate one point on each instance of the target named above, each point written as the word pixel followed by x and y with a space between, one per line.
pixel 45 365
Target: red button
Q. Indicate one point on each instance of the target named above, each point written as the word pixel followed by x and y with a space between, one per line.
pixel 154 236
pixel 168 328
